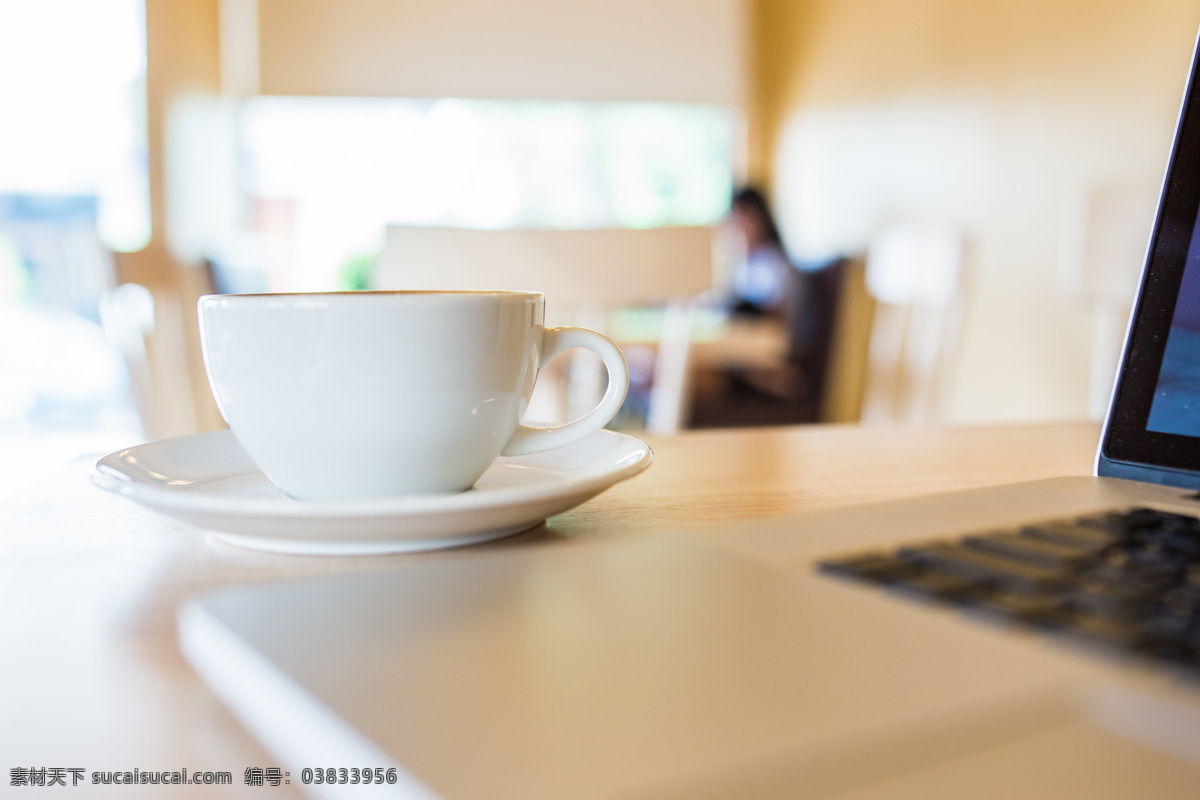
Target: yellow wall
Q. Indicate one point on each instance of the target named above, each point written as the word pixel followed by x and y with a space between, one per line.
pixel 182 60
pixel 996 115
pixel 688 51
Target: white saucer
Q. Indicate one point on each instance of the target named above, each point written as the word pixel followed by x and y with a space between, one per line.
pixel 207 480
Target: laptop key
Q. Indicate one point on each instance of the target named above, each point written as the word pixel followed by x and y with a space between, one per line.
pixel 1105 631
pixel 1176 544
pixel 1119 580
pixel 1029 609
pixel 874 567
pixel 931 585
pixel 1168 626
pixel 1181 600
pixel 1126 524
pixel 1116 524
pixel 1080 537
pixel 1106 605
pixel 1162 520
pixel 997 571
pixel 1038 552
pixel 1125 579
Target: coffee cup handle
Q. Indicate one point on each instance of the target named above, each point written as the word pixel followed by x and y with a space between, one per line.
pixel 529 439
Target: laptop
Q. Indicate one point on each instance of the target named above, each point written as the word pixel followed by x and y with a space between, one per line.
pixel 1040 640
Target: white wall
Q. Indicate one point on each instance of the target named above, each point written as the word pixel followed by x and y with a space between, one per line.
pixel 618 50
pixel 995 115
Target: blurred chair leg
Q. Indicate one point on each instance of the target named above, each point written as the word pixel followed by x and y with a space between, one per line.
pixel 669 397
pixel 127 315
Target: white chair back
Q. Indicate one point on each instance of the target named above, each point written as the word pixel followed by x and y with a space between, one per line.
pixel 915 275
pixel 577 270
pixel 127 314
pixel 583 274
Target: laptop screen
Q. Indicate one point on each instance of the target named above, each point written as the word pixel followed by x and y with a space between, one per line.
pixel 1153 426
pixel 1176 404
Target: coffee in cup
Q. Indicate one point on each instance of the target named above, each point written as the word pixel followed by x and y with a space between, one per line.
pixel 352 395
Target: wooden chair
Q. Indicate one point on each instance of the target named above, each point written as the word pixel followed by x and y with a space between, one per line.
pixel 584 274
pixel 785 379
pixel 148 332
pixel 915 275
pixel 127 315
pixel 850 337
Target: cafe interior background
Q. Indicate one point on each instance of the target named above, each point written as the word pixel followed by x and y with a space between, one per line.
pixel 982 176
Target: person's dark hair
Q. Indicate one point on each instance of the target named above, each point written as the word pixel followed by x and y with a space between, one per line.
pixel 751 201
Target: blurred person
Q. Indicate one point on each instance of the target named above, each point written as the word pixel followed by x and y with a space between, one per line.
pixel 767 286
pixel 760 282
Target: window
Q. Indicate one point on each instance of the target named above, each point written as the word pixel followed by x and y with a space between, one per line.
pixel 73 186
pixel 326 175
pixel 73 101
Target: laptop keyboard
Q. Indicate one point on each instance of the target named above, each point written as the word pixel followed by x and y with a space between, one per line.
pixel 1129 579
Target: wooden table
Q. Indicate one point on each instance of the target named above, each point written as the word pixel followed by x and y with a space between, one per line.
pixel 716 340
pixel 89 583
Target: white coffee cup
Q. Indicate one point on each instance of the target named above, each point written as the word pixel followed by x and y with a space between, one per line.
pixel 350 395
